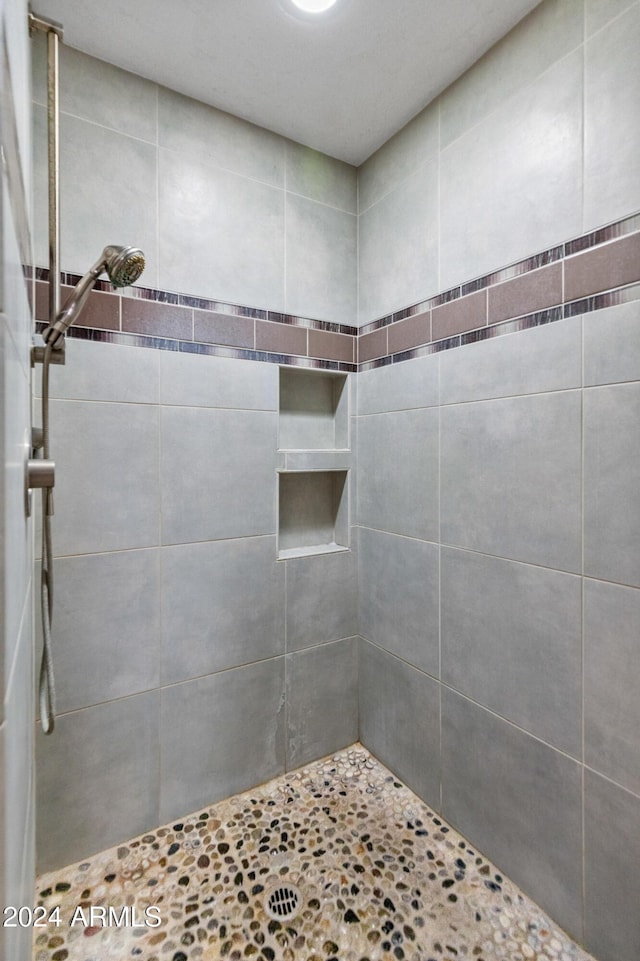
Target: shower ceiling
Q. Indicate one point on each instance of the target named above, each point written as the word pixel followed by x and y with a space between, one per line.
pixel 342 82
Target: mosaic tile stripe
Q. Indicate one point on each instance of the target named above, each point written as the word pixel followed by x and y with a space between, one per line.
pixel 559 253
pixel 210 350
pixel 248 331
pixel 601 268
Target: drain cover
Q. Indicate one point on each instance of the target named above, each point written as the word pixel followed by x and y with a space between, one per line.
pixel 282 901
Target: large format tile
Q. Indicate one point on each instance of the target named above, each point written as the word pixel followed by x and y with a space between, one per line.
pixel 612 870
pixel 399 157
pixel 191 380
pixel 98 778
pixel 208 621
pixel 511 640
pixel 106 493
pixel 612 345
pixel 510 478
pixel 611 481
pixel 397 253
pixel 519 801
pixel 217 474
pixel 550 31
pixel 321 599
pixel 500 179
pixel 220 734
pixel 321 250
pixel 398 596
pixel 612 681
pixel 101 93
pixel 111 372
pixel 402 386
pixel 400 719
pixel 600 12
pixel 398 472
pixel 221 235
pixel 106 637
pixel 128 181
pixel 319 177
pixel 612 124
pixel 211 136
pixel 322 701
pixel 543 359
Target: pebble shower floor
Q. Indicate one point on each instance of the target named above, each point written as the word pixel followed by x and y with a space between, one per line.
pixel 338 861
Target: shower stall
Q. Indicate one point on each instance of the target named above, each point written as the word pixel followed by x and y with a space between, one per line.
pixel 378 488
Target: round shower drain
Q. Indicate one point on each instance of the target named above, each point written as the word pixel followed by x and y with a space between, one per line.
pixel 282 901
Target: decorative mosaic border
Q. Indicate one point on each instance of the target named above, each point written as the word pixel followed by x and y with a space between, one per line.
pixel 164 320
pixel 597 270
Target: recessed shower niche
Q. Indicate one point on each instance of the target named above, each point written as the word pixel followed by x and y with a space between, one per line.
pixel 314 410
pixel 313 480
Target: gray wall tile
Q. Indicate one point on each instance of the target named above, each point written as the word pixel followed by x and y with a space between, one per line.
pixel 220 735
pixel 399 387
pixel 600 12
pixel 107 627
pixel 511 640
pixel 217 474
pixel 397 254
pixel 400 720
pixel 90 799
pixel 398 472
pixel 188 380
pixel 218 139
pixel 237 221
pixel 322 701
pixel 612 681
pixel 322 178
pixel 399 157
pixel 550 31
pixel 612 870
pixel 611 481
pixel 107 494
pixel 89 224
pixel 208 624
pixel 500 461
pixel 101 93
pixel 612 126
pixel 612 344
pixel 321 599
pixel 526 160
pixel 111 372
pixel 398 596
pixel 542 359
pixel 321 245
pixel 519 801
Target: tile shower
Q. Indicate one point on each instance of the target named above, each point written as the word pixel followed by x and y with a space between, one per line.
pixel 479 635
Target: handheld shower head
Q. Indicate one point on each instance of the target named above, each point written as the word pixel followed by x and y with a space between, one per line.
pixel 123 266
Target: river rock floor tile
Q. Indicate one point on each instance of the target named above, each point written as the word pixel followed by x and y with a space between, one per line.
pixel 338 861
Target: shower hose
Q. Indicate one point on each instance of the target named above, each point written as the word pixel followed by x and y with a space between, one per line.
pixel 47 691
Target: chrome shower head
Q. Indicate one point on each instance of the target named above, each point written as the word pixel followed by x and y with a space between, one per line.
pixel 123 266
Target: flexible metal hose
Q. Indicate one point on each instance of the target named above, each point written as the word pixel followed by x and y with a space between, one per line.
pixel 47 688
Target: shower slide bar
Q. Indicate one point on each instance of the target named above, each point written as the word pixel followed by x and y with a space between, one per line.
pixel 123 265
